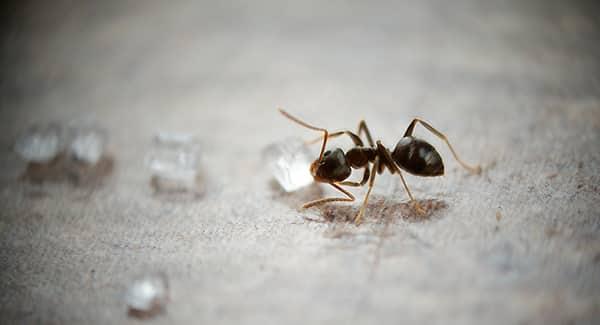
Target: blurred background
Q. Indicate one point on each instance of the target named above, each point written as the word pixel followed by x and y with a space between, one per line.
pixel 514 84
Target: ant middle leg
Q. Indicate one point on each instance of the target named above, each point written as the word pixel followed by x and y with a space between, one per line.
pixel 473 169
pixel 361 211
pixel 349 198
pixel 362 127
pixel 391 164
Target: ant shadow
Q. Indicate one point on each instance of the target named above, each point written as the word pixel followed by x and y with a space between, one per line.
pixel 379 209
pixel 379 214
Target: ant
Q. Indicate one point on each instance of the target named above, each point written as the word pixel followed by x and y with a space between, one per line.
pixel 413 155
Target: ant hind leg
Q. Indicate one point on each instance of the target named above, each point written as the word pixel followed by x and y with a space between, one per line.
pixel 473 169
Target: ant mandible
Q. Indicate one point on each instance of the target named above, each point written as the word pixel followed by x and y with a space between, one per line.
pixel 413 155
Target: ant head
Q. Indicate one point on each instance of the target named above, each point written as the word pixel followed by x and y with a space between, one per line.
pixel 333 167
pixel 418 157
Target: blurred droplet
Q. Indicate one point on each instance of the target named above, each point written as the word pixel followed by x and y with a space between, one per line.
pixel 289 162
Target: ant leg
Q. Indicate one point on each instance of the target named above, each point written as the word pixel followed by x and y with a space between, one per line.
pixel 361 183
pixel 412 198
pixel 361 212
pixel 349 198
pixel 409 131
pixel 362 126
pixel 306 125
pixel 415 203
pixel 355 138
pixel 391 164
pixel 394 169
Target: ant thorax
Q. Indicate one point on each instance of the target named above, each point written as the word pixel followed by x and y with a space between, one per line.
pixel 359 157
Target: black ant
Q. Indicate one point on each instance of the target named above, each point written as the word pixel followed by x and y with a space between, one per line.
pixel 411 154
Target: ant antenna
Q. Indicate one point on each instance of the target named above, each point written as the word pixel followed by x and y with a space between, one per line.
pixel 306 125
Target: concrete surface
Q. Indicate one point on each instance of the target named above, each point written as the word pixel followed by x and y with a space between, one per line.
pixel 514 84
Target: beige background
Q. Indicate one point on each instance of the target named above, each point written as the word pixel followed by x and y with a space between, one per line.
pixel 514 84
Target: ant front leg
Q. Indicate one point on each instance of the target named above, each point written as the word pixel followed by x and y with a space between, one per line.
pixel 355 138
pixel 361 183
pixel 308 126
pixel 409 131
pixel 349 198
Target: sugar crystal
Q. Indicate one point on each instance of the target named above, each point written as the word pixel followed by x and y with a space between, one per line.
pixel 175 164
pixel 289 162
pixel 40 144
pixel 147 295
pixel 88 145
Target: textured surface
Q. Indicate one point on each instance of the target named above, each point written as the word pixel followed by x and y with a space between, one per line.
pixel 514 84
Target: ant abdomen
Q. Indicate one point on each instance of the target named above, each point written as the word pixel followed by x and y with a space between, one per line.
pixel 418 157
